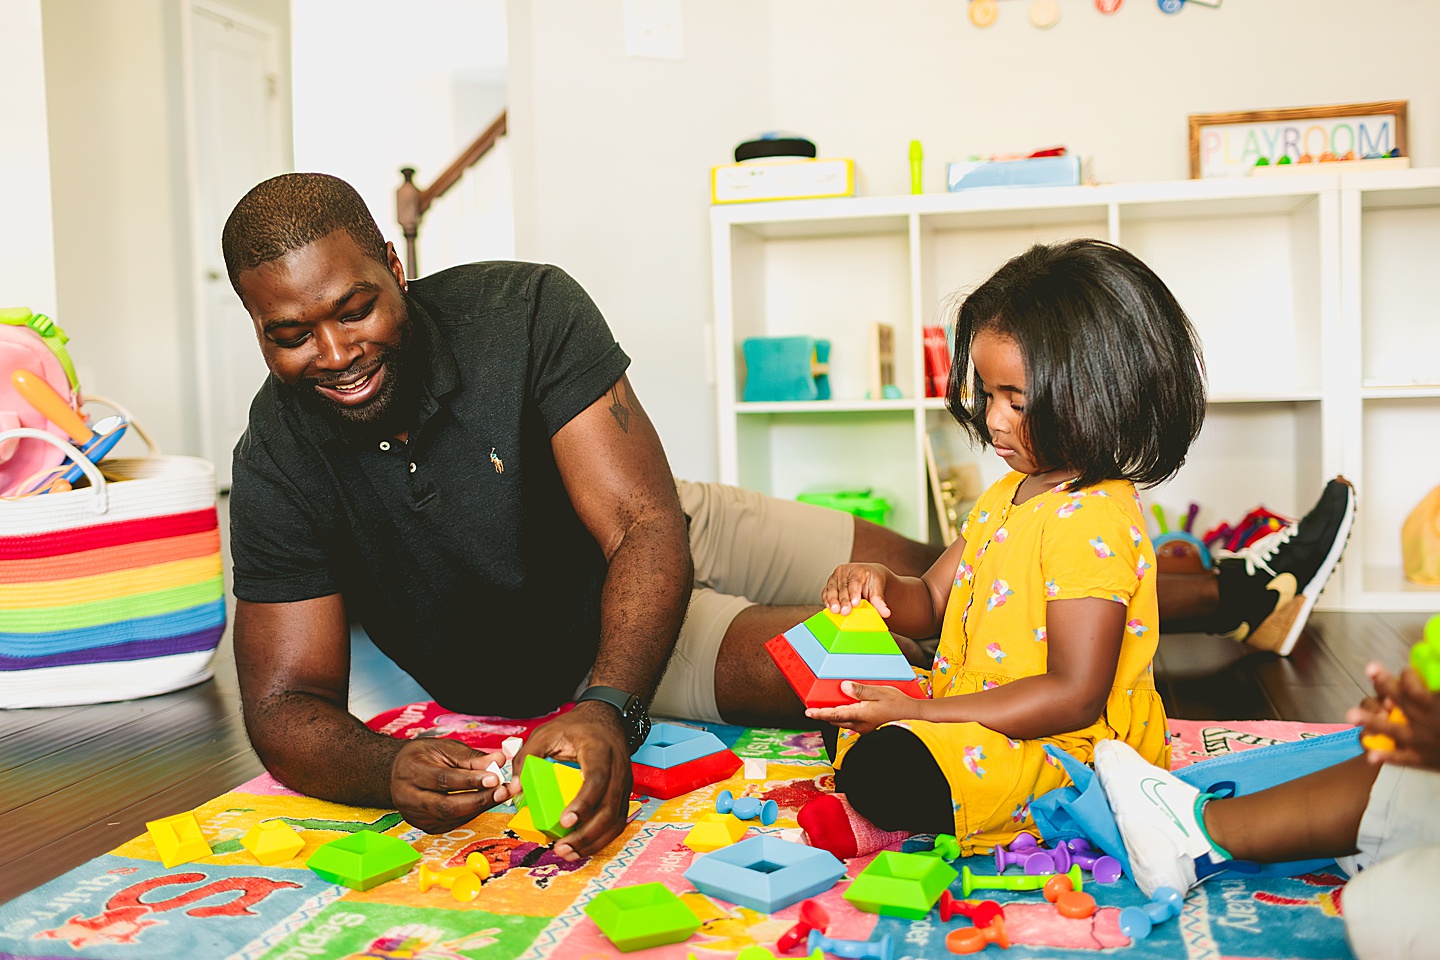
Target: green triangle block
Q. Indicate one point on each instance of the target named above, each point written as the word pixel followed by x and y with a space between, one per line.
pixel 824 629
pixel 645 915
pixel 363 860
pixel 904 885
pixel 549 787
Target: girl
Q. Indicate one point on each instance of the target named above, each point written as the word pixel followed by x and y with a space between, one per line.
pixel 1076 364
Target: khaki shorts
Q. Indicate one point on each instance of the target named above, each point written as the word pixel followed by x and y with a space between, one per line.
pixel 748 549
pixel 1387 906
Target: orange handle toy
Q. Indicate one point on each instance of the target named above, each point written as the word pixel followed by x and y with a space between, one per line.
pixel 43 398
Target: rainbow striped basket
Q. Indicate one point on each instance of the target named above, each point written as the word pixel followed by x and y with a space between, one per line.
pixel 114 590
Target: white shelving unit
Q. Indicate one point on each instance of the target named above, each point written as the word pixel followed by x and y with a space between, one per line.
pixel 1317 297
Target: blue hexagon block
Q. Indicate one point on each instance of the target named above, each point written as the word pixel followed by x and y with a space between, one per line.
pixel 765 873
pixel 670 745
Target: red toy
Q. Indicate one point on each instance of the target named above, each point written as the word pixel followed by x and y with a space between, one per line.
pixel 820 692
pixel 980 912
pixel 673 781
pixel 812 917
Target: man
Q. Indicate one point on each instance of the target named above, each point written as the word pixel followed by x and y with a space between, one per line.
pixel 459 464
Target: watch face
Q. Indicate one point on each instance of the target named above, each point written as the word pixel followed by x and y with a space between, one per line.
pixel 639 722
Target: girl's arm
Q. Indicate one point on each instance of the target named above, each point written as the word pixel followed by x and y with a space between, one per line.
pixel 911 606
pixel 1084 639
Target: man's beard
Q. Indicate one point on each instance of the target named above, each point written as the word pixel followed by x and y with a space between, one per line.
pixel 393 405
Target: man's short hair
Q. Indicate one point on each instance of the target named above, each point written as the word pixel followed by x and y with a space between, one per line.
pixel 291 211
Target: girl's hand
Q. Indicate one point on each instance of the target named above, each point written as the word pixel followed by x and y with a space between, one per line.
pixel 1417 742
pixel 853 582
pixel 874 706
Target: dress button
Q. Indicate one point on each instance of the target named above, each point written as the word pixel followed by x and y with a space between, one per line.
pixel 412 468
pixel 384 444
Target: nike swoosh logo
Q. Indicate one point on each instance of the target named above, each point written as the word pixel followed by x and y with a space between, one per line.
pixel 1150 789
pixel 1284 585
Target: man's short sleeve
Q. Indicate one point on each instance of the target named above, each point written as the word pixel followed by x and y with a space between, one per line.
pixel 574 357
pixel 277 554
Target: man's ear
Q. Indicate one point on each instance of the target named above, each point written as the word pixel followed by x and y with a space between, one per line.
pixel 397 269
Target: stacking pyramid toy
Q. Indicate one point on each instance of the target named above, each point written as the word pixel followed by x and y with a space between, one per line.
pixel 675 760
pixel 815 656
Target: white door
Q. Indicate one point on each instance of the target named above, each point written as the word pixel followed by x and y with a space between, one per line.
pixel 238 142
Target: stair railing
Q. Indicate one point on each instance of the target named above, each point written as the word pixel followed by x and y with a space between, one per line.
pixel 411 201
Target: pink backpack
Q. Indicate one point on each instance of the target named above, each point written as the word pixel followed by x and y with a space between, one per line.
pixel 33 342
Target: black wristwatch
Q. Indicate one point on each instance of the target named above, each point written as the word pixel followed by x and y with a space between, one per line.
pixel 632 712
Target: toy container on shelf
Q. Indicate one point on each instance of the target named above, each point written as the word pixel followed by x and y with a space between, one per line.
pixel 864 504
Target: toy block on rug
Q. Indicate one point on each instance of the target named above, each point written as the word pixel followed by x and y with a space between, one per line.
pixel 765 873
pixel 674 760
pixel 817 655
pixel 363 860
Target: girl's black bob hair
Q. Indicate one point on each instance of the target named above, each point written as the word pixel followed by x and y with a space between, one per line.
pixel 1114 376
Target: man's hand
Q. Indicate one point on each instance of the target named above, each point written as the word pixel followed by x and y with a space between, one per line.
pixel 874 706
pixel 1417 741
pixel 592 735
pixel 438 784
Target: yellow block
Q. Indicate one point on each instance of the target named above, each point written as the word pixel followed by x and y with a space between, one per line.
pixel 524 827
pixel 569 780
pixel 178 839
pixel 715 831
pixel 273 842
pixel 863 618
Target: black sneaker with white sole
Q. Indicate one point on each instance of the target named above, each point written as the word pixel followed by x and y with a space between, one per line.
pixel 1268 589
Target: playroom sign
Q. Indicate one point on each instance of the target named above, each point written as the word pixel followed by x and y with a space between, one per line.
pixel 1230 144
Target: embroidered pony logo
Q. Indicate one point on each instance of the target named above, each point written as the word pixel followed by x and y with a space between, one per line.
pixel 499 464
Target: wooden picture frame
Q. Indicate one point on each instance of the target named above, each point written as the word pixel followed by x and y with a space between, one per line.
pixel 1227 144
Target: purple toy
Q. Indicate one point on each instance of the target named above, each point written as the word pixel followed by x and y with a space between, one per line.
pixel 1103 868
pixel 1036 862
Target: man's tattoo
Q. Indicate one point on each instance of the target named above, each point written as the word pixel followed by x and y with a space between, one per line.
pixel 618 410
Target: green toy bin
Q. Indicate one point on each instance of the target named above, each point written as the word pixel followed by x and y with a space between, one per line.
pixel 862 503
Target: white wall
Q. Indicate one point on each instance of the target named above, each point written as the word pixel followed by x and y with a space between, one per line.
pixel 611 154
pixel 27 249
pixel 378 89
pixel 114 74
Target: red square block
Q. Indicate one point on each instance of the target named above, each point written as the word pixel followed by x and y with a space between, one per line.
pixel 818 691
pixel 673 781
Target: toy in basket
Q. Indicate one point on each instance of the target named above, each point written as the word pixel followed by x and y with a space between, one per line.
pixel 112 590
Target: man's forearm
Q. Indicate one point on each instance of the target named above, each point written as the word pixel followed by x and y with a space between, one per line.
pixel 643 604
pixel 311 745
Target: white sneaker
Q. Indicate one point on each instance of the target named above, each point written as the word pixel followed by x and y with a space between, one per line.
pixel 1155 812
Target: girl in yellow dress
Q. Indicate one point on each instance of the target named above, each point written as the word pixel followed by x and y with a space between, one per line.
pixel 1075 363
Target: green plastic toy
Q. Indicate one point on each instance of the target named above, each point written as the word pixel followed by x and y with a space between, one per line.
pixel 904 885
pixel 825 627
pixel 363 860
pixel 1425 655
pixel 549 787
pixel 970 882
pixel 645 915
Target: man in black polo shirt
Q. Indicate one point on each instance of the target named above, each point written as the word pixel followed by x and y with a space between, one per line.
pixel 460 465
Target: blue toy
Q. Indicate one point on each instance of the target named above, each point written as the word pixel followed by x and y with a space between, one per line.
pixel 786 368
pixel 747 808
pixel 881 949
pixel 765 873
pixel 1137 922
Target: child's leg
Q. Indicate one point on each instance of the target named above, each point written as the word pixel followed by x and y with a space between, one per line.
pixel 891 779
pixel 1387 908
pixel 1317 815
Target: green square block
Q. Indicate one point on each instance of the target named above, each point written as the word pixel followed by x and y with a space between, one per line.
pixel 363 860
pixel 549 787
pixel 645 915
pixel 835 640
pixel 904 885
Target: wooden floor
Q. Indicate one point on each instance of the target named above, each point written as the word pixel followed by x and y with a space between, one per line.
pixel 76 782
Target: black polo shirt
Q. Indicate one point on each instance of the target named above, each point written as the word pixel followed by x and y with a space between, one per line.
pixel 459 550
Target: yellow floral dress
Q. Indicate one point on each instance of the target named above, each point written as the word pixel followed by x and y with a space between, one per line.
pixel 1058 545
